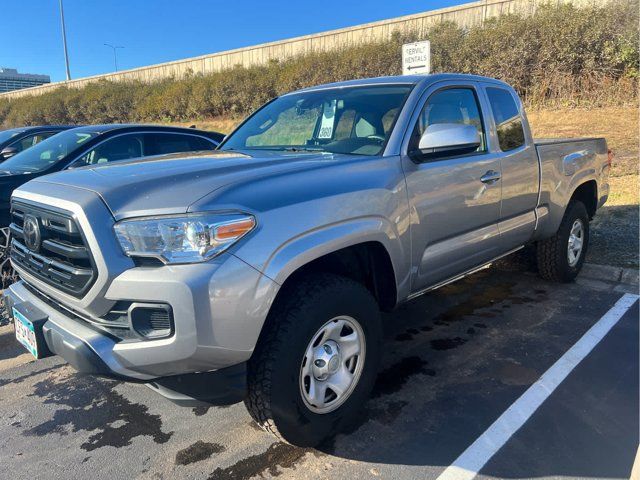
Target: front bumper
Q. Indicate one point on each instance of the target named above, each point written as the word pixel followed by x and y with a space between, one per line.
pixel 218 311
pixel 86 349
pixel 88 352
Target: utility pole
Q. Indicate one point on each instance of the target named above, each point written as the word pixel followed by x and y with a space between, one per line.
pixel 115 56
pixel 64 42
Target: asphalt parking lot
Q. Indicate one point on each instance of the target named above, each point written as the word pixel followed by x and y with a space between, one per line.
pixel 455 361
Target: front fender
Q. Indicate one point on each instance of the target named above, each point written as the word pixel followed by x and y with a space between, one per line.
pixel 315 243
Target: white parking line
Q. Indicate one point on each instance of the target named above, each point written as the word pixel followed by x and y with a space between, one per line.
pixel 469 463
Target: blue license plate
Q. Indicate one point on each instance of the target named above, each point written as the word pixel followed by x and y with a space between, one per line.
pixel 25 332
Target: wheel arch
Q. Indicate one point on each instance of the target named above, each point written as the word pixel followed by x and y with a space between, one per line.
pixel 368 263
pixel 366 249
pixel 587 193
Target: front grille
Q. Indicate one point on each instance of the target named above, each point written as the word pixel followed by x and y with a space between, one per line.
pixel 59 256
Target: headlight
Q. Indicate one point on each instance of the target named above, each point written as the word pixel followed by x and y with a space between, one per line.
pixel 182 239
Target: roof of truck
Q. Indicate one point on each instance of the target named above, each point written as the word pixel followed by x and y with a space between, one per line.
pixel 404 79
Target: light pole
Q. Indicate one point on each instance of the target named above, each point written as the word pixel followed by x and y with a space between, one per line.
pixel 64 42
pixel 115 56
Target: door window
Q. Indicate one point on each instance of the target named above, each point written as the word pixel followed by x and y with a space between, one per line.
pixel 450 105
pixel 507 117
pixel 31 140
pixel 161 143
pixel 121 147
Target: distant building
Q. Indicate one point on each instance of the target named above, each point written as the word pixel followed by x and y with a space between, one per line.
pixel 10 80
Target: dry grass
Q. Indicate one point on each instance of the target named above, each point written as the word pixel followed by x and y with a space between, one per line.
pixel 624 191
pixel 221 124
pixel 618 125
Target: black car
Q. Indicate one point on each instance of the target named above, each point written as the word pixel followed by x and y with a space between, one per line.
pixel 15 140
pixel 96 144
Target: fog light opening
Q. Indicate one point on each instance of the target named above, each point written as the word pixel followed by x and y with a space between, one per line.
pixel 151 321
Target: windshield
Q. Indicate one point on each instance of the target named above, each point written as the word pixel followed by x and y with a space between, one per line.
pixel 8 134
pixel 353 120
pixel 48 152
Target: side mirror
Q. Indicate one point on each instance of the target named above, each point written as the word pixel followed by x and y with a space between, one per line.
pixel 447 139
pixel 8 152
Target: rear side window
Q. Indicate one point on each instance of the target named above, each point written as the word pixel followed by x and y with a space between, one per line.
pixel 161 143
pixel 507 117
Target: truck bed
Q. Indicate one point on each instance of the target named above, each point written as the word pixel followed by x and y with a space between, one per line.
pixel 564 164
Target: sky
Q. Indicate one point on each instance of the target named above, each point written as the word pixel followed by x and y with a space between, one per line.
pixel 155 31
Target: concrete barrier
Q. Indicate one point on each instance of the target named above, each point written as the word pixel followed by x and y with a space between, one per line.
pixel 466 15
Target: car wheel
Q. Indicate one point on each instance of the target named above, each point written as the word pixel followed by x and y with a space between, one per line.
pixel 7 274
pixel 316 361
pixel 560 258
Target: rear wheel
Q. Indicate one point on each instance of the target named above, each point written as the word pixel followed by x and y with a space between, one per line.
pixel 316 361
pixel 560 258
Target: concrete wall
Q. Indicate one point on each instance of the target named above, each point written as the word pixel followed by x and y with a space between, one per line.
pixel 467 14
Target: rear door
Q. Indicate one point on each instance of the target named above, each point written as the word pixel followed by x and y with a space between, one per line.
pixel 520 169
pixel 455 200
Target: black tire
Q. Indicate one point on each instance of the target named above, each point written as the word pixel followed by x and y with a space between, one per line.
pixel 274 398
pixel 7 273
pixel 553 263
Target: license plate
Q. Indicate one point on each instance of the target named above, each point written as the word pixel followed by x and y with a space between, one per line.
pixel 25 332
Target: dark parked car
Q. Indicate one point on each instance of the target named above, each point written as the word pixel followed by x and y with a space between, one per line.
pixel 93 145
pixel 15 140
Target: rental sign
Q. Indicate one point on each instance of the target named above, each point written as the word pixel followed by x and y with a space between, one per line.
pixel 416 58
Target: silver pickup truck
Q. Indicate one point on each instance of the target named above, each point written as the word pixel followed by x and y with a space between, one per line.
pixel 258 271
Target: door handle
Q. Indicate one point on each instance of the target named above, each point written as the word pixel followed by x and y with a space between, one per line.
pixel 490 177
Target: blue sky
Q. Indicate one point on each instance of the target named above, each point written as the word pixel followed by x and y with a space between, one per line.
pixel 154 31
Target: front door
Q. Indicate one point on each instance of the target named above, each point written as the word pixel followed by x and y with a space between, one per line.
pixel 455 200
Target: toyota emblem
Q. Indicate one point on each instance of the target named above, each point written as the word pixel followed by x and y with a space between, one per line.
pixel 31 230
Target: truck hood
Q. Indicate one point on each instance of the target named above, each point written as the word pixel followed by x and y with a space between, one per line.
pixel 169 184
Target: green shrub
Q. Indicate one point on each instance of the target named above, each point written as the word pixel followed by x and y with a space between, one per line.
pixel 560 56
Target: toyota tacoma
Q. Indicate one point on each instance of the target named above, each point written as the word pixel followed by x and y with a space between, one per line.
pixel 257 272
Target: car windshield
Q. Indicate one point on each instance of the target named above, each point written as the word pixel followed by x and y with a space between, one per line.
pixel 352 120
pixel 8 134
pixel 48 152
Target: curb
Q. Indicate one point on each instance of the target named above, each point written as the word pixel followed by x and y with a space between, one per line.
pixel 607 273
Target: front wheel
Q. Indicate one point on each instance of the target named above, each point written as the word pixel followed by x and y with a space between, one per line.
pixel 560 257
pixel 317 360
pixel 7 274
